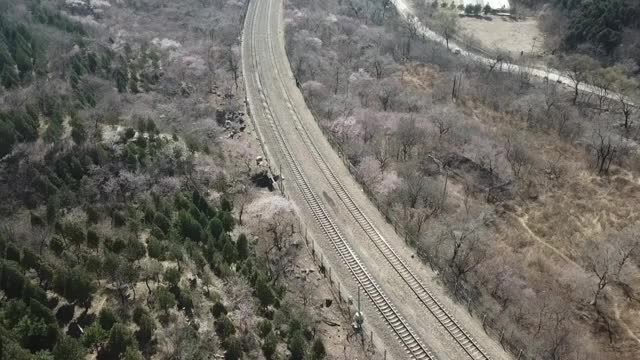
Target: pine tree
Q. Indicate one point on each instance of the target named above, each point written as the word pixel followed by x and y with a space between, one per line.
pixel 7 137
pixel 23 57
pixel 9 77
pixel 5 55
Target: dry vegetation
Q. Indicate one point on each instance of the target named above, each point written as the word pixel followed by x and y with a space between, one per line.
pixel 521 194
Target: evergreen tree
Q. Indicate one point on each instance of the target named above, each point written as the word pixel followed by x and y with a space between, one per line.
pixel 9 77
pixel 165 300
pixel 242 246
pixel 6 60
pixel 23 56
pixel 119 340
pixel 216 228
pixel 318 351
pixel 270 345
pixel 234 348
pixel 264 293
pixel 297 346
pixel 7 137
pixel 68 348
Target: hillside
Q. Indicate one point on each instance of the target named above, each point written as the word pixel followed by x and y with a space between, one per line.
pixel 521 194
pixel 136 222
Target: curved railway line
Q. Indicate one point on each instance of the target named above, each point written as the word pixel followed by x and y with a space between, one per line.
pixel 401 329
pixel 410 341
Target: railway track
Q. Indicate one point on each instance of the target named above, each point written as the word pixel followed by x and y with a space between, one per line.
pixel 446 319
pixel 407 337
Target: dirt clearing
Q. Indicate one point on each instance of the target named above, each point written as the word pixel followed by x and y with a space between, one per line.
pixel 505 33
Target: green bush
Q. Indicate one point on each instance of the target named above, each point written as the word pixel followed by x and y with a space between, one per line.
pixel 242 245
pixel 228 222
pixel 216 228
pixel 57 245
pixel 93 239
pixel 162 222
pixel 165 300
pixel 147 327
pixel 224 327
pixel 155 248
pixel 119 340
pixel 172 276
pixel 318 351
pixel 218 310
pixel 107 318
pixel 264 328
pixel 264 293
pixel 11 280
pixel 94 336
pixel 269 346
pixel 297 346
pixel 233 348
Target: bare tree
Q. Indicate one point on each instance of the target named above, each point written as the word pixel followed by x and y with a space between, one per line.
pixel 516 156
pixel 623 88
pixel 578 68
pixel 387 90
pixel 273 220
pixel 409 136
pixel 604 149
pixel 446 23
pixel 467 250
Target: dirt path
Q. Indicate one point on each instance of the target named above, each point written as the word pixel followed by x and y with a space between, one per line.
pixel 522 220
pixel 626 327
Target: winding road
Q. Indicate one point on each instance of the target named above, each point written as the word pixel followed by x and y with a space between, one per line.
pixel 405 10
pixel 406 310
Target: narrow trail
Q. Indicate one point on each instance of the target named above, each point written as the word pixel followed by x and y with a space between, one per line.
pixel 626 327
pixel 522 220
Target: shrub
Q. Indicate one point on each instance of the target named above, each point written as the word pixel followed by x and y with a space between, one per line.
pixel 155 248
pixel 216 228
pixel 264 293
pixel 172 276
pixel 165 300
pixel 12 253
pixel 11 280
pixel 94 336
pixel 119 219
pixel 242 246
pixel 147 327
pixel 318 351
pixel 270 345
pixel 93 216
pixel 30 260
pixel 107 318
pixel 119 340
pixel 234 348
pixel 218 309
pixel 93 239
pixel 65 314
pixel 228 222
pixel 56 245
pixel 229 252
pixel 264 328
pixel 224 327
pixel 162 222
pixel 68 348
pixel 297 346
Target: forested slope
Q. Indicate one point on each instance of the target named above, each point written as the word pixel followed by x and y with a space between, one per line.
pixel 125 174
